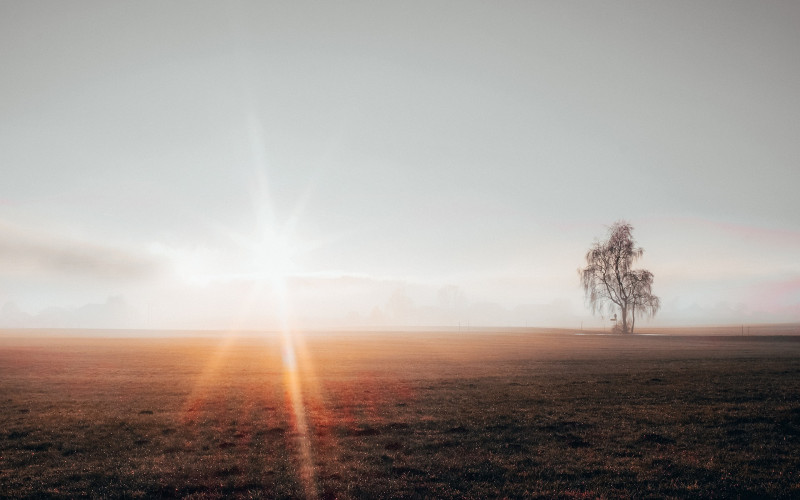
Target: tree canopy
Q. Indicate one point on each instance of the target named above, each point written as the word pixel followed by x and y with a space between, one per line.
pixel 609 281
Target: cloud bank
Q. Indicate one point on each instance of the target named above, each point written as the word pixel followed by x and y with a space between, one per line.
pixel 29 251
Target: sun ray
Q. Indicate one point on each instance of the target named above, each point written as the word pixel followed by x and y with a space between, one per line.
pixel 294 392
pixel 274 264
pixel 263 259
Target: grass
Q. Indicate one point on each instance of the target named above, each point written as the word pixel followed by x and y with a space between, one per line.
pixel 391 415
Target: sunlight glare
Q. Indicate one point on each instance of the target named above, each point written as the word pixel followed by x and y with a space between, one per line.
pixel 271 254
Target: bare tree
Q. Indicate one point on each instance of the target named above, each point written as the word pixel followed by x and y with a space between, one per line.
pixel 610 282
pixel 643 302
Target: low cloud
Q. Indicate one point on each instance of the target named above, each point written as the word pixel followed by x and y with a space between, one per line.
pixel 26 251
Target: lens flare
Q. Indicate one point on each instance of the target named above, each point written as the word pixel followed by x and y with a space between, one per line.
pixel 294 393
pixel 274 255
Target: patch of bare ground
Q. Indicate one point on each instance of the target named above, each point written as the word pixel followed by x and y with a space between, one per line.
pixel 507 414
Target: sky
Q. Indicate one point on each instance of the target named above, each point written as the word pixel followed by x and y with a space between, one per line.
pixel 248 165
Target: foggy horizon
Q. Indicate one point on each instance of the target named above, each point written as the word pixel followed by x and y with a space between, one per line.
pixel 258 165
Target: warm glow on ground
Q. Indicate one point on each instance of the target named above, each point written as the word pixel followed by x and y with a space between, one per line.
pixel 482 414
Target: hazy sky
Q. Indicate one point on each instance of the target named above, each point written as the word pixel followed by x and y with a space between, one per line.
pixel 217 164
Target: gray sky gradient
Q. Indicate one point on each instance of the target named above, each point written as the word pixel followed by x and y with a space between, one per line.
pixel 169 160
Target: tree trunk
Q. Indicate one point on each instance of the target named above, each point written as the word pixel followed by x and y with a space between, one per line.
pixel 624 310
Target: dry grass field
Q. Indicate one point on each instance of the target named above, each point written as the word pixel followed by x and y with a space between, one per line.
pixel 513 413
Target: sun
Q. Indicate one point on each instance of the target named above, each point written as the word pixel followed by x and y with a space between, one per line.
pixel 272 258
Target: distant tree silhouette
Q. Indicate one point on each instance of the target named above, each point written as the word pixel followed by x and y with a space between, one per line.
pixel 609 282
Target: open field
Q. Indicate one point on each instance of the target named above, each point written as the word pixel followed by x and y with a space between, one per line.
pixel 512 413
